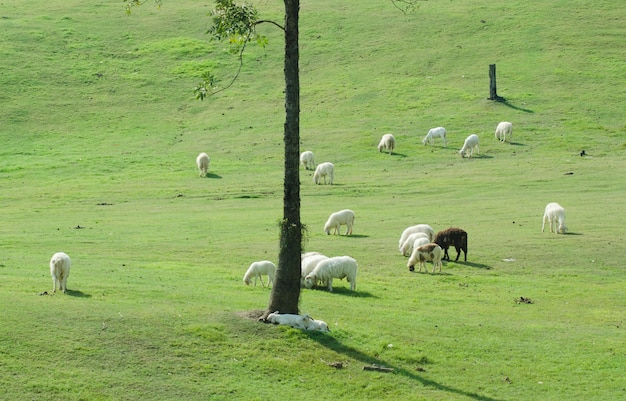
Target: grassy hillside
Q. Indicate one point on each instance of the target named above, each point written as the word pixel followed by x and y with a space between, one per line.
pixel 100 131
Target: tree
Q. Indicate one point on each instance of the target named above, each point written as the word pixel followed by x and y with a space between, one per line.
pixel 237 23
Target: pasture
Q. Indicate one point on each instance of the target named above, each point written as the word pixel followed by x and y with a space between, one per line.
pixel 100 131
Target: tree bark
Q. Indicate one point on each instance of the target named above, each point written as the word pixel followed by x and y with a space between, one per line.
pixel 493 91
pixel 285 293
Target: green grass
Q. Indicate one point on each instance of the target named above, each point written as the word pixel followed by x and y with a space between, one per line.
pixel 100 131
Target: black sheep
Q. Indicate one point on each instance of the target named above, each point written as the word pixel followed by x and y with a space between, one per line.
pixel 452 237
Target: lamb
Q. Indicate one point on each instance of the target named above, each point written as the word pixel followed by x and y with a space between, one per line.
pixel 341 218
pixel 319 325
pixel 469 146
pixel 60 270
pixel 503 129
pixel 555 215
pixel 293 320
pixel 257 269
pixel 418 228
pixel 452 236
pixel 439 132
pixel 308 264
pixel 407 246
pixel 388 143
pixel 421 254
pixel 335 267
pixel 326 169
pixel 202 161
pixel 307 160
pixel 417 243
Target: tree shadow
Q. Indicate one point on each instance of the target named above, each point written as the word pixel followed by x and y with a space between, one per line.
pixel 509 104
pixel 335 345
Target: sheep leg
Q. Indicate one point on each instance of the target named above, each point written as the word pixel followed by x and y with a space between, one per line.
pixel 261 278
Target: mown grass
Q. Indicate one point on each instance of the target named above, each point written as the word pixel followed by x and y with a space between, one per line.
pixel 100 132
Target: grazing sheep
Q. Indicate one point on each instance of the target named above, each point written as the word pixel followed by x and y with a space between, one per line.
pixel 417 243
pixel 335 267
pixel 257 269
pixel 293 320
pixel 555 215
pixel 452 237
pixel 425 253
pixel 469 146
pixel 324 170
pixel 418 228
pixel 307 160
pixel 407 246
pixel 439 132
pixel 319 325
pixel 336 220
pixel 202 161
pixel 503 130
pixel 60 270
pixel 308 264
pixel 388 143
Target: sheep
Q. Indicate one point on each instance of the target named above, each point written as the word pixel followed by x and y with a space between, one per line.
pixel 319 325
pixel 388 143
pixel 60 270
pixel 417 243
pixel 307 160
pixel 256 269
pixel 407 246
pixel 341 218
pixel 421 254
pixel 503 129
pixel 202 161
pixel 555 215
pixel 324 170
pixel 469 146
pixel 418 228
pixel 335 267
pixel 439 132
pixel 293 320
pixel 452 236
pixel 309 263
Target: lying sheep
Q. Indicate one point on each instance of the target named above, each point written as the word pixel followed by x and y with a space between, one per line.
pixel 308 264
pixel 425 253
pixel 503 130
pixel 257 269
pixel 202 161
pixel 335 267
pixel 470 145
pixel 293 320
pixel 452 237
pixel 307 160
pixel 326 169
pixel 554 214
pixel 418 228
pixel 319 325
pixel 439 132
pixel 387 143
pixel 341 218
pixel 60 270
pixel 407 246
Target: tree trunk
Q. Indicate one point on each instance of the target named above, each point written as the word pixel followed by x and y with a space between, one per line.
pixel 286 289
pixel 493 92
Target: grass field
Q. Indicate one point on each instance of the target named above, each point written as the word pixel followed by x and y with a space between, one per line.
pixel 100 131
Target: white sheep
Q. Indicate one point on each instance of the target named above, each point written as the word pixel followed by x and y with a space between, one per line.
pixel 202 161
pixel 341 218
pixel 407 245
pixel 319 325
pixel 307 160
pixel 418 228
pixel 308 264
pixel 438 132
pixel 293 320
pixel 387 143
pixel 503 130
pixel 335 267
pixel 326 169
pixel 469 146
pixel 60 270
pixel 259 268
pixel 555 216
pixel 424 253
